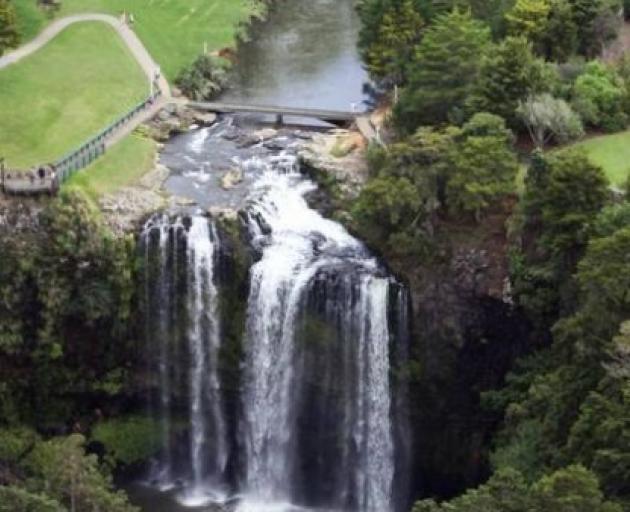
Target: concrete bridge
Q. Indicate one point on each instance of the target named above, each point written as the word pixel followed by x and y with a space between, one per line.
pixel 336 117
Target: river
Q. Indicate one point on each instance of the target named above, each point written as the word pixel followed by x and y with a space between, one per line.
pixel 304 55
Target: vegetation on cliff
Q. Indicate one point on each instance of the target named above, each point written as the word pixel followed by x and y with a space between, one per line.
pixel 479 78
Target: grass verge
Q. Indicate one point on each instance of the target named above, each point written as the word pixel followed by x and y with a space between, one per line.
pixel 123 165
pixel 612 153
pixel 54 100
pixel 175 31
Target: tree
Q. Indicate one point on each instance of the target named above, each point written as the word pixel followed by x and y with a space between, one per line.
pixel 204 79
pixel 398 33
pixel 572 489
pixel 484 166
pixel 564 192
pixel 16 499
pixel 598 96
pixel 62 470
pixel 528 19
pixel 387 206
pixel 9 36
pixel 549 118
pixel 508 75
pixel 443 71
pixel 588 16
pixel 559 40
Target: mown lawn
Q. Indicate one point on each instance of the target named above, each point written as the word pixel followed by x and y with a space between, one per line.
pixel 55 99
pixel 122 165
pixel 612 153
pixel 174 31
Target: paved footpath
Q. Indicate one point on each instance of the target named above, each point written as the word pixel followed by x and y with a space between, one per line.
pixel 132 41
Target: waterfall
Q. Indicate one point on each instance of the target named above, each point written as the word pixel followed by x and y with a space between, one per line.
pixel 303 255
pixel 180 262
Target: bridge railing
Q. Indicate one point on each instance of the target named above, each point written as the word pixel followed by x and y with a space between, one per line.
pixel 16 181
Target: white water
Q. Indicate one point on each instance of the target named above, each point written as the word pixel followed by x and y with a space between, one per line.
pixel 206 417
pixel 207 446
pixel 297 243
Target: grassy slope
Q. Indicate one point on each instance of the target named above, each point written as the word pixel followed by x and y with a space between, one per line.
pixel 174 31
pixel 58 97
pixel 612 153
pixel 122 165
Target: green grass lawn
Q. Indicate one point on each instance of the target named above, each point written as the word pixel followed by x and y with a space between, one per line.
pixel 122 165
pixel 54 100
pixel 612 153
pixel 174 31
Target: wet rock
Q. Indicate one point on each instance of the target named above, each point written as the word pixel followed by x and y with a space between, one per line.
pixel 246 141
pixel 231 133
pixel 232 178
pixel 218 212
pixel 205 118
pixel 276 144
pixel 264 134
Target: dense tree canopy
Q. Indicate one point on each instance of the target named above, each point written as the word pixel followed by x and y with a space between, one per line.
pixel 443 70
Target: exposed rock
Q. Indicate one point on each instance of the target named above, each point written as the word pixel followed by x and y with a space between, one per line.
pixel 124 209
pixel 349 170
pixel 277 144
pixel 154 179
pixel 231 178
pixel 218 212
pixel 264 134
pixel 205 118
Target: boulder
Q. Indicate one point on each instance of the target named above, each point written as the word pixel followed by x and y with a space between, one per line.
pixel 231 178
pixel 264 134
pixel 205 118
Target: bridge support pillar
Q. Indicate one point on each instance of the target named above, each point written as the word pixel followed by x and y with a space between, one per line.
pixel 279 119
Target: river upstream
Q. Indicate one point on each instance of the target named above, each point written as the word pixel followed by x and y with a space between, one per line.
pixel 317 426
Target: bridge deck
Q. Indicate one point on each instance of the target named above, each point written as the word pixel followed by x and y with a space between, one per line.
pixel 325 115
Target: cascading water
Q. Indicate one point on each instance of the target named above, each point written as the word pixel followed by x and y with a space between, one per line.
pixel 300 253
pixel 187 321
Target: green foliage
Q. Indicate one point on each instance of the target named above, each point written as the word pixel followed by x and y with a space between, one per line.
pixel 508 74
pixel 398 33
pixel 15 443
pixel 61 469
pixel 528 19
pixel 484 166
pixel 130 439
pixel 16 499
pixel 9 36
pixel 597 23
pixel 386 206
pixel 559 40
pixel 548 118
pixel 598 97
pixel 572 489
pixel 204 79
pixel 443 71
pixel 564 192
pixel 65 311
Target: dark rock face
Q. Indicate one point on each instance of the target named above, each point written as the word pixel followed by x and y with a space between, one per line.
pixel 466 335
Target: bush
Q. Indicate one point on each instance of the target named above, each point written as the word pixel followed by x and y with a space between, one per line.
pixel 205 79
pixel 15 499
pixel 128 440
pixel 598 96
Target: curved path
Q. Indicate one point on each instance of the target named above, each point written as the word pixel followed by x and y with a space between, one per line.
pixel 129 37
